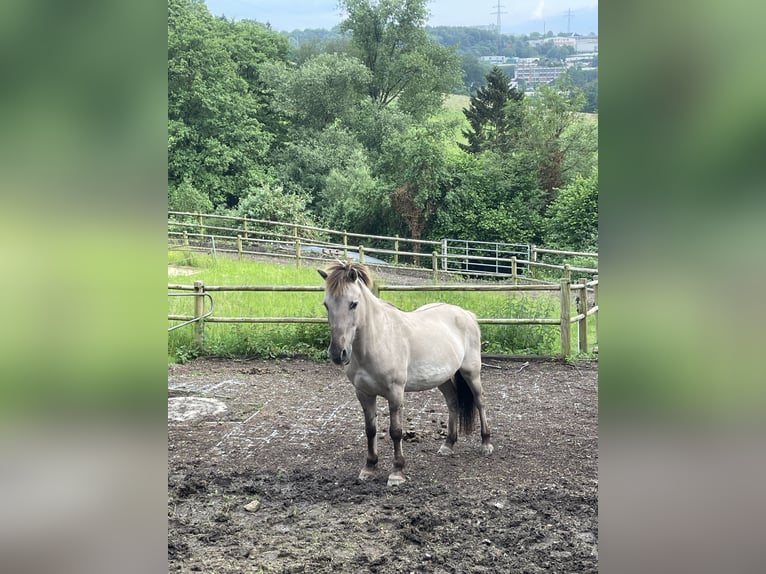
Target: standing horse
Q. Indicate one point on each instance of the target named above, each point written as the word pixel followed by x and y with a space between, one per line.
pixel 387 352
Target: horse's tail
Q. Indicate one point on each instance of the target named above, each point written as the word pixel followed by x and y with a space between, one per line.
pixel 465 405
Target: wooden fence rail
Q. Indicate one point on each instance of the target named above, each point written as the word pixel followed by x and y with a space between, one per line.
pixel 564 321
pixel 536 249
pixel 291 239
pixel 294 250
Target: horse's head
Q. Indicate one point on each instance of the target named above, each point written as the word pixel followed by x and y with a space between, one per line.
pixel 343 299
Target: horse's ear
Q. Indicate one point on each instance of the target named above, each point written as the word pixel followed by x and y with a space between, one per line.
pixel 322 273
pixel 353 275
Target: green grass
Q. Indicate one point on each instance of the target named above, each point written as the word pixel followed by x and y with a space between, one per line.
pixel 457 102
pixel 248 340
pixel 272 340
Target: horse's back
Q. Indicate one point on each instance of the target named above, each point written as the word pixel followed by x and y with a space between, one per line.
pixel 447 331
pixel 447 315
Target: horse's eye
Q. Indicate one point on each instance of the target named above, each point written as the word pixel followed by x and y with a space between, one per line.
pixel 352 305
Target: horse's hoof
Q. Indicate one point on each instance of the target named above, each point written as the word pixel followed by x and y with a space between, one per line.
pixel 366 473
pixel 486 449
pixel 395 479
pixel 444 450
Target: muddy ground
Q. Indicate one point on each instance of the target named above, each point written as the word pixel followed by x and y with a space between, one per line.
pixel 288 437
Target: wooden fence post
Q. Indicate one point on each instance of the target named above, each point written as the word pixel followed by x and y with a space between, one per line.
pixel 199 310
pixel 396 250
pixel 239 246
pixel 244 220
pixel 361 254
pixel 435 265
pixel 514 270
pixel 533 268
pixel 298 253
pixel 595 303
pixel 582 324
pixel 566 332
pixel 345 245
pixel 186 239
pixel 201 227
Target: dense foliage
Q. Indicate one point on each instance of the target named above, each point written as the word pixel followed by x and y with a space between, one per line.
pixel 348 130
pixel 494 115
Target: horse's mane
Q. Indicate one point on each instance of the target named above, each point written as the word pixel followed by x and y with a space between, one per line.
pixel 342 273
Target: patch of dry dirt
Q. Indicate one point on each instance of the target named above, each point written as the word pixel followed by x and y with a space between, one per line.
pixel 291 436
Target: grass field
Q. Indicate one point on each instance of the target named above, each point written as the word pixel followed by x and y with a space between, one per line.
pixel 456 102
pixel 271 340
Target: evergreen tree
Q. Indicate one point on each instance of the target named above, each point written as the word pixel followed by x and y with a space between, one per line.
pixel 495 115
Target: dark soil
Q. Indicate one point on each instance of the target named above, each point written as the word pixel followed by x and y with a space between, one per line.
pixel 292 438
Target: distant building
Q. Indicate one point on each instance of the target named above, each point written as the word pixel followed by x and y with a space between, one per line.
pixel 582 60
pixel 557 41
pixel 494 59
pixel 581 44
pixel 531 75
pixel 586 45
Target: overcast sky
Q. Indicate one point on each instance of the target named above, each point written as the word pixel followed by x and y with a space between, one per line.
pixel 517 16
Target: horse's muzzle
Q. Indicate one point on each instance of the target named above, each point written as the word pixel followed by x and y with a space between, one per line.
pixel 339 358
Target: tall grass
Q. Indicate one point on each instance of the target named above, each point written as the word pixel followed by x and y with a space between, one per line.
pixel 270 340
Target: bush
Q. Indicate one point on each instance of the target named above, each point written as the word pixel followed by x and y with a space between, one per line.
pixel 572 218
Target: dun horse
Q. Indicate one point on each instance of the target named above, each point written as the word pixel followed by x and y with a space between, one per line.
pixel 387 352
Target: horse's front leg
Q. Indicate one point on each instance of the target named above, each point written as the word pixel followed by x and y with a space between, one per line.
pixel 370 429
pixel 395 409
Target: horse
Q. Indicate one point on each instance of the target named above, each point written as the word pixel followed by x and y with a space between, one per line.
pixel 386 352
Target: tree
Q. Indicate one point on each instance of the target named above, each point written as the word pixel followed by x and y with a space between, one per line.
pixel 406 64
pixel 414 166
pixel 323 89
pixel 494 115
pixel 556 136
pixel 218 137
pixel 492 198
pixel 185 197
pixel 352 199
pixel 304 164
pixel 474 73
pixel 587 81
pixel 271 202
pixel 374 125
pixel 572 219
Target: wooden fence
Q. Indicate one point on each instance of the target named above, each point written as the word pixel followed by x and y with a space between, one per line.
pixel 242 236
pixel 566 289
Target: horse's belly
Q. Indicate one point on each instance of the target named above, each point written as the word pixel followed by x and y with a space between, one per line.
pixel 427 376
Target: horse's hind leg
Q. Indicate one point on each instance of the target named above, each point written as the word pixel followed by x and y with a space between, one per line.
pixel 473 379
pixel 450 395
pixel 370 429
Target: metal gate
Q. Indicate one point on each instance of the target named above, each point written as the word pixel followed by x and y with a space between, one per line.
pixel 483 257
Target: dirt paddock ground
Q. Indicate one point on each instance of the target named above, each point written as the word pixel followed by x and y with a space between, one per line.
pixel 286 438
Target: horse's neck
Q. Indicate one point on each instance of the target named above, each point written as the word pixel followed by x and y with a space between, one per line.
pixel 374 325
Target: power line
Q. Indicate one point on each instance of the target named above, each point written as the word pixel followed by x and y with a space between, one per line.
pixel 498 12
pixel 569 21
